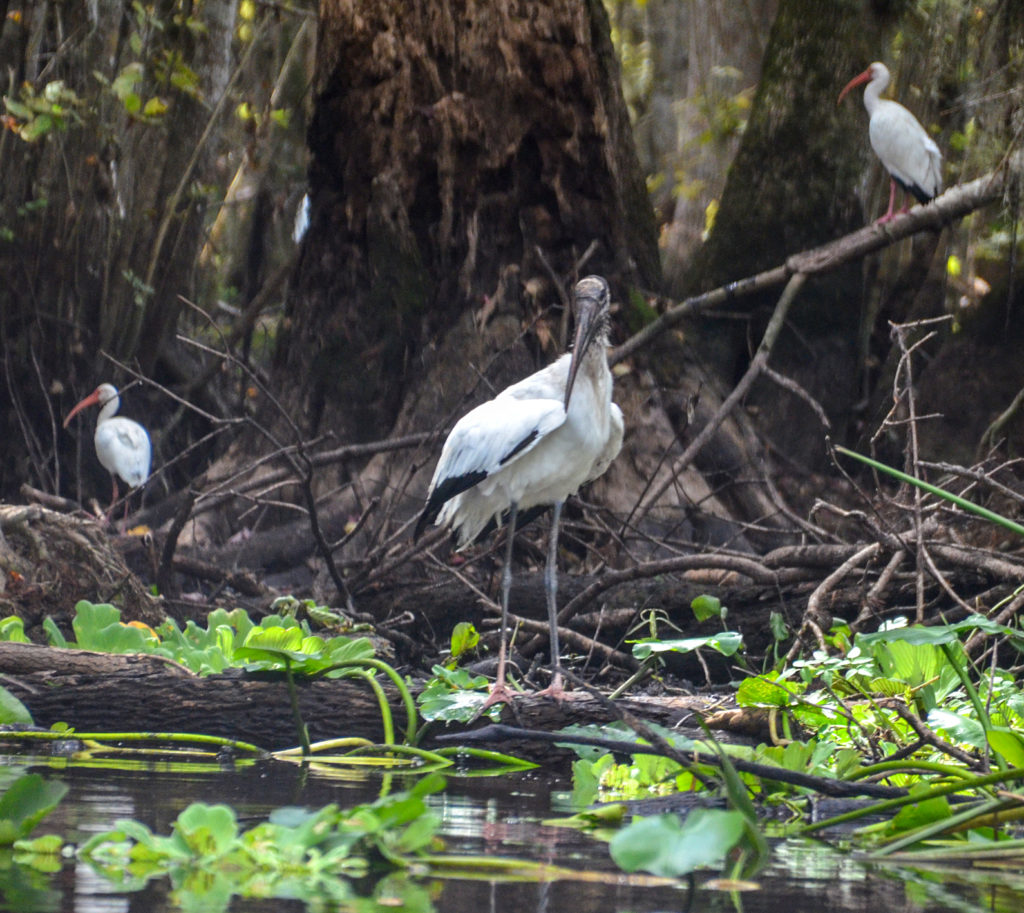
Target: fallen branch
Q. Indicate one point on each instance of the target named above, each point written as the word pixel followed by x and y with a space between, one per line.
pixel 955 203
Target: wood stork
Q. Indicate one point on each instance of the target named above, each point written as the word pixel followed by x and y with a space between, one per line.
pixel 908 153
pixel 531 446
pixel 122 445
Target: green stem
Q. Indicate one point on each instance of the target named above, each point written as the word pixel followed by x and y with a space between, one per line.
pixel 979 708
pixel 293 696
pixel 1000 776
pixel 178 737
pixel 411 716
pixel 484 755
pixel 1005 522
pixel 382 702
pixel 905 766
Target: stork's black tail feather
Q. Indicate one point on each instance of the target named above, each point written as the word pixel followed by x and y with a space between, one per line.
pixel 445 491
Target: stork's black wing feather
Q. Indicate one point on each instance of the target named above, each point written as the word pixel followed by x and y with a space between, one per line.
pixel 444 492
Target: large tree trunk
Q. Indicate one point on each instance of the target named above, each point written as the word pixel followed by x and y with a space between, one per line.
pixel 450 143
pixel 791 187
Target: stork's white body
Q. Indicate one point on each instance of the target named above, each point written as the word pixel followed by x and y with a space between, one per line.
pixel 534 444
pixel 530 450
pixel 904 147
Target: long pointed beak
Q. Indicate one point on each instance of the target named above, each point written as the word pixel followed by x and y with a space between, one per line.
pixel 586 328
pixel 91 400
pixel 856 81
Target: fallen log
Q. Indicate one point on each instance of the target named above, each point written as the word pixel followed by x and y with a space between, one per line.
pixel 100 692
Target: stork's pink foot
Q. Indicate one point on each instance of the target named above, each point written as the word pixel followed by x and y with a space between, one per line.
pixel 555 690
pixel 500 694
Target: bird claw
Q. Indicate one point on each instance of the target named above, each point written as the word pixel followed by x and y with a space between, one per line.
pixel 556 690
pixel 500 694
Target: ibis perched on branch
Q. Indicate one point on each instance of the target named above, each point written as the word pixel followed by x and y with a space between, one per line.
pixel 122 445
pixel 906 150
pixel 531 446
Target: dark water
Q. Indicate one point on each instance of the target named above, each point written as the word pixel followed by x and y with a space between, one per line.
pixel 498 816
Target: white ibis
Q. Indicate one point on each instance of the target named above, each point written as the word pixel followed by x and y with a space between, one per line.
pixel 122 445
pixel 908 153
pixel 531 446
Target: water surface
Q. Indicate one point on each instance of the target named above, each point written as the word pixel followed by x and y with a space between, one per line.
pixel 499 816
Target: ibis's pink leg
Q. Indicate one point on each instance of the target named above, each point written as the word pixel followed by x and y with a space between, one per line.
pixel 890 215
pixel 113 498
pixel 555 689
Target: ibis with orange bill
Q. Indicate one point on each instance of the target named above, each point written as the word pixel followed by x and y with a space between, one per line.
pixel 122 445
pixel 904 147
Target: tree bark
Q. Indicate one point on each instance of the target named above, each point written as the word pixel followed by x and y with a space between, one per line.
pixel 450 144
pixel 98 692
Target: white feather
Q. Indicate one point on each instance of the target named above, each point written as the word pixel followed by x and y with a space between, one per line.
pixel 904 147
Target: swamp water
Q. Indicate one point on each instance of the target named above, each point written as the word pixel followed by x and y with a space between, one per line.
pixel 499 816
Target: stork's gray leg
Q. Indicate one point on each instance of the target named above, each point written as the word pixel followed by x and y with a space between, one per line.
pixel 551 591
pixel 506 589
pixel 499 692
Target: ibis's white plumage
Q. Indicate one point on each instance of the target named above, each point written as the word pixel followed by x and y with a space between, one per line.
pixel 531 446
pixel 122 445
pixel 904 147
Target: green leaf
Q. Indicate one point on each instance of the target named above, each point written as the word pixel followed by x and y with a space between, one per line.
pixel 760 691
pixel 961 728
pixel 36 128
pixel 12 629
pixel 155 107
pixel 25 803
pixel 921 813
pixel 19 110
pixel 12 710
pixel 1008 744
pixel 49 844
pixel 208 830
pixel 127 80
pixel 53 633
pixel 665 846
pixel 705 607
pixel 98 627
pixel 274 642
pixel 465 637
pixel 726 643
pixel 938 634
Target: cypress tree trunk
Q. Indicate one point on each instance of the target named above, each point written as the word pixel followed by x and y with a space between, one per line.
pixel 452 143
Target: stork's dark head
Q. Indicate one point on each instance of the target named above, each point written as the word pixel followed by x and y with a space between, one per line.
pixel 591 304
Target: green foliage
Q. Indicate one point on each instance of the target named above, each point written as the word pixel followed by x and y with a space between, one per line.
pixel 25 803
pixel 465 639
pixel 231 639
pixel 726 643
pixel 297 852
pixel 454 696
pixel 664 845
pixel 35 114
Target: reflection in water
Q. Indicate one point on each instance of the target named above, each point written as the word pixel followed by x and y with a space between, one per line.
pixel 481 816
